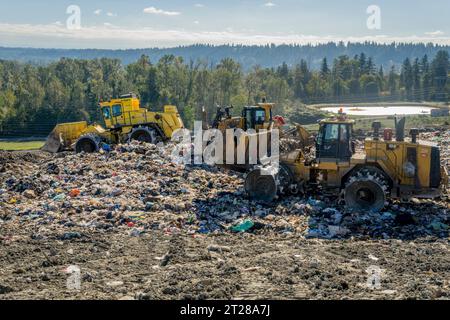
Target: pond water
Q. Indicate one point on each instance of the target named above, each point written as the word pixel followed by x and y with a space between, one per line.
pixel 381 111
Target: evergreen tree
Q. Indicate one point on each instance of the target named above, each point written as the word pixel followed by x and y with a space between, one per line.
pixel 324 70
pixel 426 78
pixel 370 67
pixel 416 74
pixel 362 63
pixel 283 71
pixel 299 89
pixel 381 78
pixel 440 69
pixel 392 82
pixel 406 78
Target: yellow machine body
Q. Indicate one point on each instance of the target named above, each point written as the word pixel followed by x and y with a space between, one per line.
pixel 122 117
pixel 365 178
pixel 254 117
pixel 126 113
pixel 256 120
pixel 413 168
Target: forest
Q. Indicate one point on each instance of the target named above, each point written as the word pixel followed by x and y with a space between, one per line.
pixel 33 98
pixel 266 56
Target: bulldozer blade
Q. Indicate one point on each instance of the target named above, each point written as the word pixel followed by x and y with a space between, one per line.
pixel 53 143
pixel 64 135
pixel 300 134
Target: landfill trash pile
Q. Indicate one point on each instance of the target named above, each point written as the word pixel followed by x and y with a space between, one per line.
pixel 133 201
pixel 138 187
pixel 289 144
pixel 442 138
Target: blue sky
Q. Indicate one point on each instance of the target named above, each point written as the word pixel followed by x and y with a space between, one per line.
pixel 163 23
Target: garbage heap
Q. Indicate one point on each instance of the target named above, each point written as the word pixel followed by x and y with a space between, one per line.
pixel 442 138
pixel 136 188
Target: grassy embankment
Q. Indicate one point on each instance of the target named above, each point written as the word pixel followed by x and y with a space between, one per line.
pixel 20 145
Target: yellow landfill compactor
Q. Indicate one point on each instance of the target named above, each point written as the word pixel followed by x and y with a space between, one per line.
pixel 384 168
pixel 124 120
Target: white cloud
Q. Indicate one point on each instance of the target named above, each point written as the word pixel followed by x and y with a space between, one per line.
pixel 196 22
pixel 98 12
pixel 436 33
pixel 199 5
pixel 110 14
pixel 115 37
pixel 270 4
pixel 153 10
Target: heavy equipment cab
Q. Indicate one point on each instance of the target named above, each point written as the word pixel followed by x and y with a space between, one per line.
pixel 257 117
pixel 334 140
pixel 121 112
pixel 253 117
pixel 106 111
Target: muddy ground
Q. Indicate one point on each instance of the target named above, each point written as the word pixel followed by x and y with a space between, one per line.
pixel 170 256
pixel 115 266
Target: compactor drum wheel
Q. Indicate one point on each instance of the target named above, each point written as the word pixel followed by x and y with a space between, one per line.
pixel 261 187
pixel 366 190
pixel 87 144
pixel 148 135
pixel 286 181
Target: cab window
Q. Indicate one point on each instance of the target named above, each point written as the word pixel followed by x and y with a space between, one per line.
pixel 344 137
pixel 254 117
pixel 260 116
pixel 332 132
pixel 248 120
pixel 319 138
pixel 117 110
pixel 106 112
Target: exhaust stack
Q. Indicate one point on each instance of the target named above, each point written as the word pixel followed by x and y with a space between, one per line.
pixel 400 129
pixel 414 133
pixel 376 125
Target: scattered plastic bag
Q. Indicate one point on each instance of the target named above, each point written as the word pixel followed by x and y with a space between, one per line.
pixel 244 226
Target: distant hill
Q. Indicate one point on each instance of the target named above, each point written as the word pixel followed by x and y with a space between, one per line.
pixel 265 56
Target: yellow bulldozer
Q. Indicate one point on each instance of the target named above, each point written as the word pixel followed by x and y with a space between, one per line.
pixel 257 118
pixel 366 178
pixel 253 121
pixel 124 120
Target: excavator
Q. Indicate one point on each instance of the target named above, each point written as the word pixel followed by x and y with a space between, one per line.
pixel 124 121
pixel 364 178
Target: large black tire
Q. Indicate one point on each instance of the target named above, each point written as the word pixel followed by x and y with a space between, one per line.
pixel 366 190
pixel 144 134
pixel 261 187
pixel 88 143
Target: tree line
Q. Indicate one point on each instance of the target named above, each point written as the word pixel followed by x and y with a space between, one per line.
pixel 34 98
pixel 266 56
